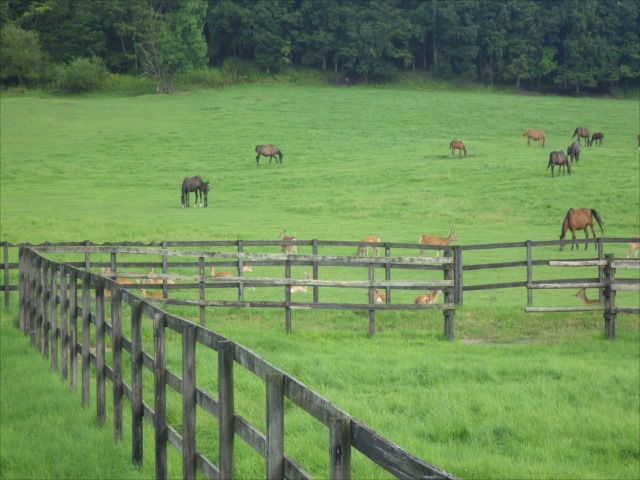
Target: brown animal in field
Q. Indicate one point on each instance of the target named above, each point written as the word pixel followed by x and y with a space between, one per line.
pixel 633 248
pixel 158 281
pixel 247 268
pixel 428 298
pixel 581 132
pixel 301 288
pixel 580 219
pixel 270 151
pixel 364 250
pixel 457 145
pixel 573 152
pixel 598 137
pixel 560 159
pixel 151 293
pixel 220 274
pixel 582 294
pixel 288 248
pixel 433 240
pixel 107 272
pixel 379 297
pixel 535 135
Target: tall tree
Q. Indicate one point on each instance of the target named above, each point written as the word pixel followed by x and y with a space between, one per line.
pixel 174 43
pixel 20 54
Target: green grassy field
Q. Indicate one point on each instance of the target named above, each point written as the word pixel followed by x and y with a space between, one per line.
pixel 518 396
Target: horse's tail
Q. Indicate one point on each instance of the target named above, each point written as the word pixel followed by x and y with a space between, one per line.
pixel 544 139
pixel 575 132
pixel 451 146
pixel 550 162
pixel 598 219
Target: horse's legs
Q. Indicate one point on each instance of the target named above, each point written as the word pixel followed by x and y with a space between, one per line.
pixel 593 234
pixel 258 160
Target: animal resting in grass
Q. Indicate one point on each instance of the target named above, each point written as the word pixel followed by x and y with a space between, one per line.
pixel 581 132
pixel 270 151
pixel 580 219
pixel 573 151
pixel 457 145
pixel 597 137
pixel 560 159
pixel 194 184
pixel 535 135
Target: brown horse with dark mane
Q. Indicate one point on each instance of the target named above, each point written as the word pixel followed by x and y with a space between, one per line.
pixel 580 219
pixel 560 159
pixel 581 132
pixel 535 135
pixel 573 152
pixel 597 137
pixel 458 145
pixel 270 151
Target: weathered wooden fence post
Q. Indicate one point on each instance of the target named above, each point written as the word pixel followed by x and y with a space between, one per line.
pixel 449 297
pixel 287 297
pixel 529 273
pixel 137 409
pixel 609 293
pixel 226 423
pixel 387 271
pixel 116 354
pixel 275 426
pixel 53 315
pixel 372 312
pixel 5 258
pixel 36 322
pixel 86 338
pixel 160 399
pixel 46 294
pixel 22 281
pixel 101 398
pixel 600 246
pixel 188 401
pixel 314 250
pixel 340 448
pixel 73 330
pixel 240 271
pixel 165 271
pixel 458 279
pixel 64 322
pixel 201 289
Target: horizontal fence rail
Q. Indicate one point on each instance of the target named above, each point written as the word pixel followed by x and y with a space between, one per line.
pixel 63 307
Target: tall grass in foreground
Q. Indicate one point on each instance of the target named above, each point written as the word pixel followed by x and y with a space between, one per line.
pixel 518 396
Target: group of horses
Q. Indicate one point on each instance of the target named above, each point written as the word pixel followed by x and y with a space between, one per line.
pixel 201 188
pixel 558 158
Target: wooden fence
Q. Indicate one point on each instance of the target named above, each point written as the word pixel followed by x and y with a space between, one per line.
pixel 50 309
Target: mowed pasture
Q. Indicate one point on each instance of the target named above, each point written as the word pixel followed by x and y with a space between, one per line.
pixel 526 396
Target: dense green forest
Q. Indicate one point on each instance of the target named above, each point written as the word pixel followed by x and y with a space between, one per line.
pixel 572 45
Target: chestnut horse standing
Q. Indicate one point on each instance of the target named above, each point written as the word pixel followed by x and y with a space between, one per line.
pixel 458 145
pixel 581 132
pixel 535 135
pixel 580 219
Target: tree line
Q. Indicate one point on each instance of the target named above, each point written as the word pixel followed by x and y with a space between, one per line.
pixel 576 44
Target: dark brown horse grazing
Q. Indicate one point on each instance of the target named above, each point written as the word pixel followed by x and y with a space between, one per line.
pixel 535 135
pixel 573 151
pixel 194 184
pixel 580 219
pixel 268 151
pixel 457 145
pixel 598 137
pixel 560 159
pixel 581 132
